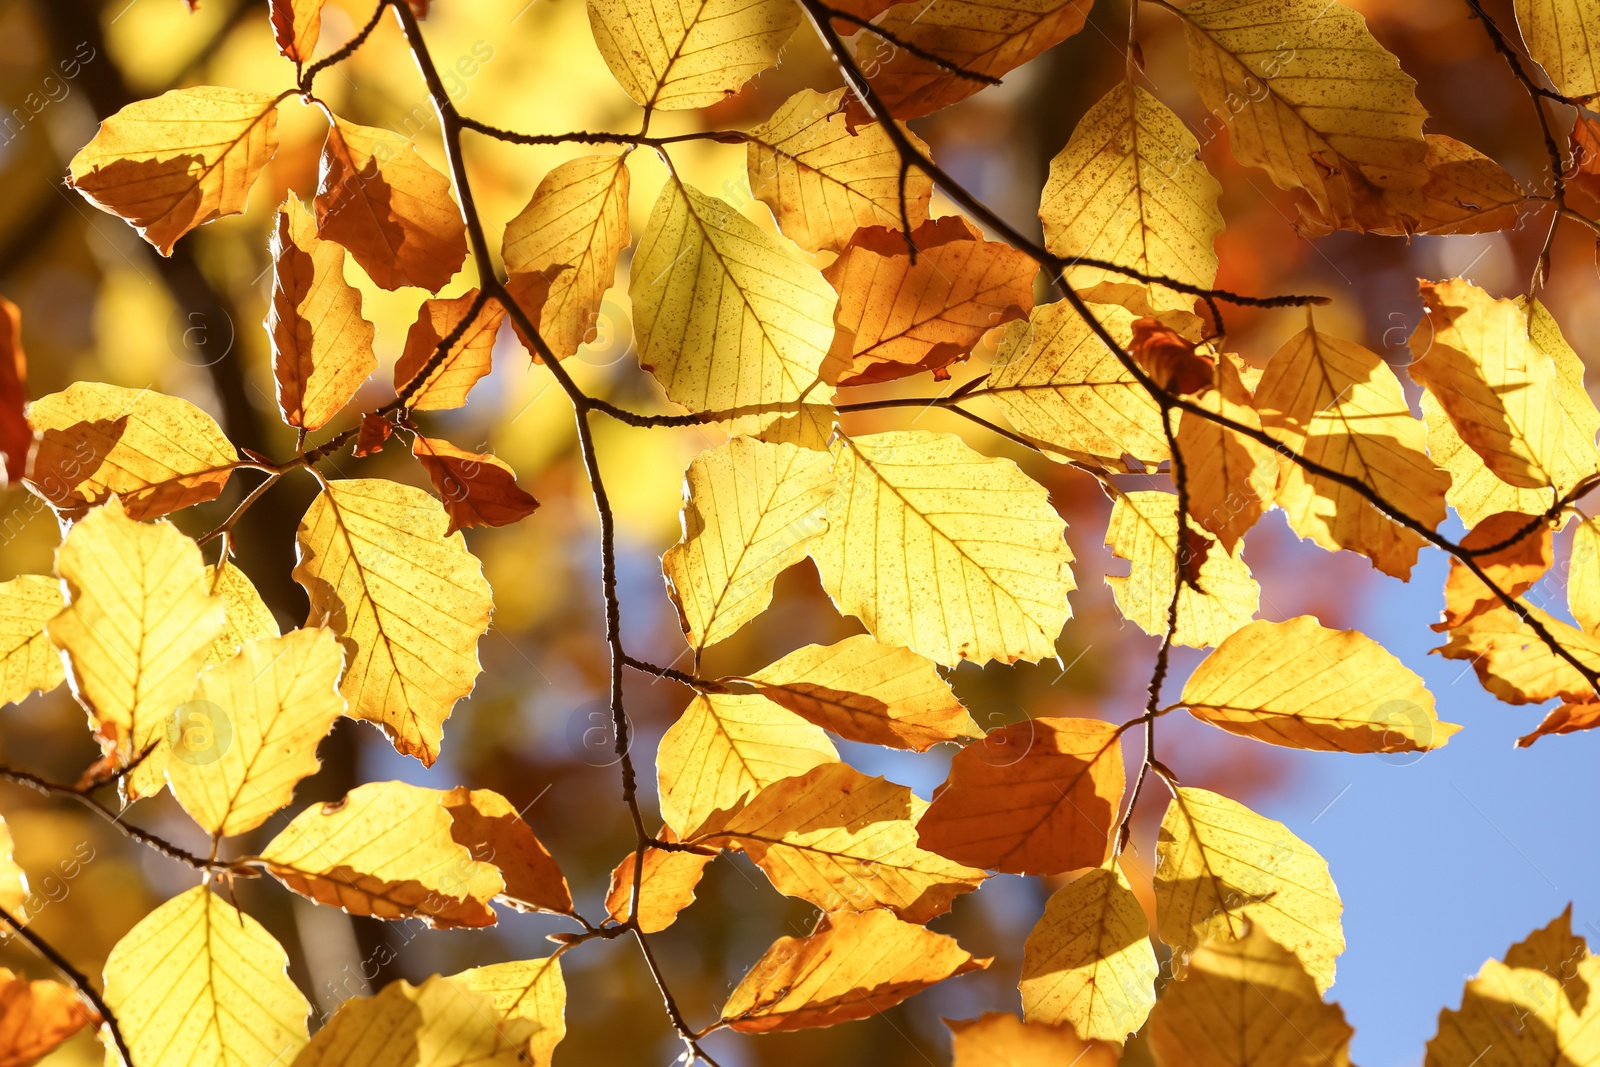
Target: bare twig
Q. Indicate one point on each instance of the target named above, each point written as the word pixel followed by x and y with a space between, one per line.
pixel 85 989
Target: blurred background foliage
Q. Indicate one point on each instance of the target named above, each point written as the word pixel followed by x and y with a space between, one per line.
pixel 98 304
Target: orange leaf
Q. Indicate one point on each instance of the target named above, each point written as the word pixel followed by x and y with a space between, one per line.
pixel 35 1018
pixel 15 435
pixel 1000 1039
pixel 296 25
pixel 1585 149
pixel 477 490
pixel 487 824
pixel 375 430
pixel 1514 568
pixel 1169 358
pixel 666 887
pixel 468 359
pixel 1567 719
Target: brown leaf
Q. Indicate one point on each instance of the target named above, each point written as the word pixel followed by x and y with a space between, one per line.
pixel 1169 358
pixel 375 430
pixel 467 361
pixel 296 25
pixel 493 831
pixel 477 490
pixel 1585 149
pixel 15 434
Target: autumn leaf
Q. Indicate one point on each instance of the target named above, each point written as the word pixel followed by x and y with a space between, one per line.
pixel 1143 529
pixel 138 624
pixel 1514 568
pixel 13 879
pixel 824 180
pixel 529 991
pixel 321 345
pixel 750 508
pixel 441 1023
pixel 36 1018
pixel 466 362
pixel 726 747
pixel 1558 36
pixel 1128 189
pixel 1515 664
pixel 1221 869
pixel 730 322
pixel 1569 718
pixel 1231 477
pixel 491 829
pixel 1301 685
pixel 1088 965
pixel 1171 360
pixel 198 981
pixel 665 888
pixel 249 733
pixel 865 691
pixel 158 453
pixel 570 235
pixel 407 600
pixel 16 436
pixel 841 840
pixel 477 489
pixel 690 55
pixel 1039 796
pixel 248 616
pixel 386 850
pixel 1247 1003
pixel 1583 570
pixel 898 316
pixel 853 965
pixel 296 25
pixel 950 553
pixel 381 200
pixel 1000 1039
pixel 179 160
pixel 28 661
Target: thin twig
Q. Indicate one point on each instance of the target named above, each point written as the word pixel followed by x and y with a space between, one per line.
pixel 86 991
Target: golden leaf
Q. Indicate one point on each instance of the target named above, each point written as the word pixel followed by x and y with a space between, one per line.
pixel 844 841
pixel 1466 192
pixel 1128 188
pixel 441 1023
pixel 693 53
pixel 493 831
pixel 1143 529
pixel 867 692
pixel 248 616
pixel 1088 964
pixel 28 661
pixel 728 321
pixel 1036 797
pixel 35 1018
pixel 464 365
pixel 853 965
pixel 1301 685
pixel 1567 719
pixel 1221 868
pixel 1340 405
pixel 1000 1039
pixel 1583 572
pixel 1247 1003
pixel 665 889
pixel 1514 568
pixel 1515 664
pixel 296 25
pixel 477 489
pixel 1060 385
pixel 178 160
pixel 725 748
pixel 157 452
pixel 407 600
pixel 199 981
pixel 321 346
pixel 571 233
pixel 749 510
pixel 389 207
pixel 897 316
pixel 249 733
pixel 1559 35
pixel 948 552
pixel 1231 478
pixel 386 850
pixel 824 180
pixel 528 990
pixel 135 633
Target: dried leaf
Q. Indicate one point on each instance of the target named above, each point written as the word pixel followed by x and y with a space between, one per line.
pixel 468 359
pixel 477 489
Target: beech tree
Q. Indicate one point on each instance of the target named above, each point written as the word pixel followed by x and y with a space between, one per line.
pixel 872 283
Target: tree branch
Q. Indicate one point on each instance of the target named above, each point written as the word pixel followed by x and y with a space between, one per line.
pixel 86 991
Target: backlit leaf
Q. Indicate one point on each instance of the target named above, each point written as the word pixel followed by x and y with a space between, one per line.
pixel 444 1022
pixel 524 990
pixel 35 1018
pixel 1515 664
pixel 1000 1039
pixel 248 616
pixel 689 53
pixel 494 832
pixel 665 889
pixel 28 661
pixel 16 437
pixel 1566 719
pixel 1559 36
pixel 1514 568
pixel 296 25
pixel 477 489
pixel 464 365
pixel 1231 478
pixel 1583 573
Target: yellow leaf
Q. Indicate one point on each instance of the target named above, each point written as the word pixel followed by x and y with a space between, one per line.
pixel 525 990
pixel 1310 96
pixel 248 616
pixel 1340 405
pixel 1143 529
pixel 950 553
pixel 157 452
pixel 13 879
pixel 1560 38
pixel 136 631
pixel 1567 719
pixel 823 180
pixel 728 321
pixel 571 233
pixel 28 661
pixel 979 36
pixel 1000 1039
pixel 867 692
pixel 853 965
pixel 493 831
pixel 1514 568
pixel 723 749
pixel 477 489
pixel 1515 664
pixel 249 733
pixel 1036 797
pixel 665 889
pixel 468 360
pixel 35 1018
pixel 389 207
pixel 1128 188
pixel 386 850
pixel 1248 1003
pixel 1088 964
pixel 441 1023
pixel 1301 685
pixel 1221 868
pixel 321 346
pixel 690 53
pixel 296 25
pixel 407 600
pixel 178 160
pixel 1231 477
pixel 841 840
pixel 1540 1006
pixel 897 316
pixel 749 510
pixel 198 981
pixel 1059 384
pixel 1583 575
